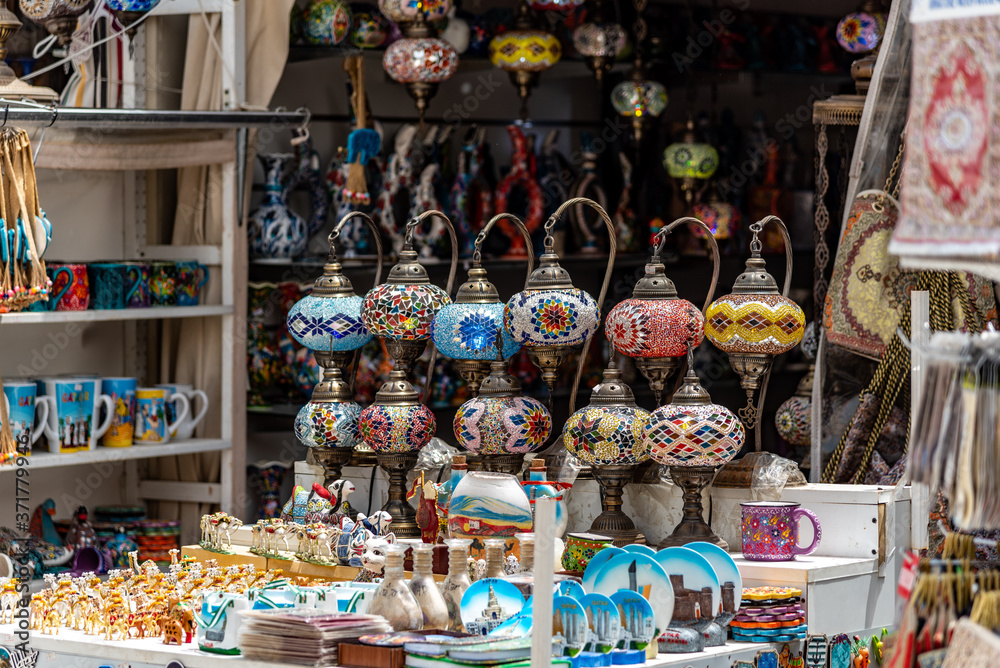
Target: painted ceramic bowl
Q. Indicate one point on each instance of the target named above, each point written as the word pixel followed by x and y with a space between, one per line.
pixel 402 312
pixel 654 327
pixel 328 323
pixel 397 428
pixel 424 59
pixel 754 323
pixel 328 425
pixel 525 51
pixel 551 317
pixel 639 98
pixel 469 332
pixel 607 435
pixel 700 435
pixel 502 425
pixel 326 22
pixel 581 548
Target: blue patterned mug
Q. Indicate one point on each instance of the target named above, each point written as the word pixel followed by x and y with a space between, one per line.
pixel 26 415
pixel 109 282
pixel 191 277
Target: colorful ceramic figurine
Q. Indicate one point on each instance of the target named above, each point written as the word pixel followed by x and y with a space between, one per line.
pixel 427 508
pixel 326 505
pixel 81 533
pixel 117 548
pixel 373 558
pixel 217 531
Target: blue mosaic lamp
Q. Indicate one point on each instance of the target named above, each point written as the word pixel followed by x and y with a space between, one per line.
pixel 328 320
pixel 467 330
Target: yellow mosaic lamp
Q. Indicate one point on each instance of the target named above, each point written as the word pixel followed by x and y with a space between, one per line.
pixel 524 53
pixel 752 325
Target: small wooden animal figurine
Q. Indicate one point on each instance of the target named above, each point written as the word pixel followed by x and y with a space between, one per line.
pixel 373 558
pixel 81 533
pixel 784 656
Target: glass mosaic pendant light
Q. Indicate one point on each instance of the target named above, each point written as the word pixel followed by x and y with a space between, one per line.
pixel 420 61
pixel 690 161
pixel 599 41
pixel 637 97
pixel 524 53
pixel 693 437
pixel 655 327
pixel 607 435
pixel 328 423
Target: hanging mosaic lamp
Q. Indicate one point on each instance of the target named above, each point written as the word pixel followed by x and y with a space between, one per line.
pixel 599 41
pixel 693 437
pixel 637 97
pixel 405 12
pixel 58 16
pixel 401 310
pixel 326 22
pixel 467 330
pixel 328 319
pixel 501 425
pixel 860 33
pixel 554 5
pixel 722 218
pixel 793 419
pixel 607 435
pixel 396 427
pixel 328 423
pixel 690 161
pixel 420 61
pixel 524 53
pixel 655 327
pixel 752 325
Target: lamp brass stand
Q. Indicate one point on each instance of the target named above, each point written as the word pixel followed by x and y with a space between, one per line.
pixel 692 528
pixel 404 518
pixel 613 522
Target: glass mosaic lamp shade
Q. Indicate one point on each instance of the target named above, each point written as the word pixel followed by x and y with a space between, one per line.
pixel 58 16
pixel 554 5
pixel 722 218
pixel 467 330
pixel 328 423
pixel 524 52
pixel 599 41
pixel 689 161
pixel 693 436
pixel 401 310
pixel 408 11
pixel 501 424
pixel 550 316
pixel 639 98
pixel 793 419
pixel 861 32
pixel 326 22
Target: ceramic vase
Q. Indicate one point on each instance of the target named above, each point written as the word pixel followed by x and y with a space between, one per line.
pixel 267 479
pixel 275 231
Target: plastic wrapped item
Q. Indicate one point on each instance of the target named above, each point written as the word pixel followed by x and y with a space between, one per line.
pixel 436 456
pixel 563 467
pixel 770 474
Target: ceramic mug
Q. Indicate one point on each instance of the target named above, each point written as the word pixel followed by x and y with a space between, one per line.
pixel 191 277
pixel 108 285
pixel 121 431
pixel 185 428
pixel 137 284
pixel 70 288
pixel 771 531
pixel 581 548
pixel 163 283
pixel 74 405
pixel 26 415
pixel 151 424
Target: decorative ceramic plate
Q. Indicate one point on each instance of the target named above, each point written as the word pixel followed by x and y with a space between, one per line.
pixel 569 626
pixel 725 568
pixel 696 574
pixel 488 603
pixel 518 626
pixel 570 588
pixel 641 574
pixel 638 623
pixel 635 548
pixel 604 622
pixel 596 564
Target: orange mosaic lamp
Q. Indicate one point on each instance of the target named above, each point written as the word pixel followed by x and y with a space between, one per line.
pixel 755 323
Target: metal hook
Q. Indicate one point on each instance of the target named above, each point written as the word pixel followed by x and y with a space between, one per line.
pixel 689 220
pixel 372 227
pixel 481 237
pixel 6 112
pixel 55 115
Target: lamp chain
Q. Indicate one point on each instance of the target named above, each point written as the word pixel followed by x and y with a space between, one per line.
pixel 640 24
pixel 755 245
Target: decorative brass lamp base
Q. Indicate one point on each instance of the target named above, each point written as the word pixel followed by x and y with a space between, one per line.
pixel 363 456
pixel 658 371
pixel 693 528
pixel 524 82
pixel 612 522
pixel 404 517
pixel 738 474
pixel 473 372
pixel 599 65
pixel 511 464
pixel 405 352
pixel 548 360
pixel 751 368
pixel 421 92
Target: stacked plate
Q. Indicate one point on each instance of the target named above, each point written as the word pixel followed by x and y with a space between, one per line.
pixel 770 614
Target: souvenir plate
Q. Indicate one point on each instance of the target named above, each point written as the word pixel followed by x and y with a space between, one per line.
pixel 570 588
pixel 569 626
pixel 596 564
pixel 603 621
pixel 635 548
pixel 639 573
pixel 638 623
pixel 488 603
pixel 696 574
pixel 725 568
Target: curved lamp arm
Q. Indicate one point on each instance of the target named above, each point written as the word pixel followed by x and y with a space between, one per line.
pixel 408 243
pixel 661 238
pixel 612 248
pixel 477 256
pixel 376 235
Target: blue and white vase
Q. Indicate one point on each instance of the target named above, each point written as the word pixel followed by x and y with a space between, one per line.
pixel 275 231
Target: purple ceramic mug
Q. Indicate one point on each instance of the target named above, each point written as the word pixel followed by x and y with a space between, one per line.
pixel 771 531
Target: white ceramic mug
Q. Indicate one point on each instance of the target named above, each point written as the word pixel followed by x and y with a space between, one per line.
pixel 27 413
pixel 185 428
pixel 74 409
pixel 151 423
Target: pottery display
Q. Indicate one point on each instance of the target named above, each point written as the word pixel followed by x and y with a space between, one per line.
pixel 639 573
pixel 697 591
pixel 274 229
pixel 604 622
pixel 569 626
pixel 638 622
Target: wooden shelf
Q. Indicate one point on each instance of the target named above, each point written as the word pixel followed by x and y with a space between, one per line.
pixel 107 315
pixel 43 460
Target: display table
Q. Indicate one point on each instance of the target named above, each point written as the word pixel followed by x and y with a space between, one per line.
pixel 76 649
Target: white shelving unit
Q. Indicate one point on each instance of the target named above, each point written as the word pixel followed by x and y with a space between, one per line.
pixel 102 455
pixel 112 315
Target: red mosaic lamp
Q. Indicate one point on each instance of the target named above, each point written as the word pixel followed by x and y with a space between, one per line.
pixel 655 327
pixel 753 325
pixel 693 437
